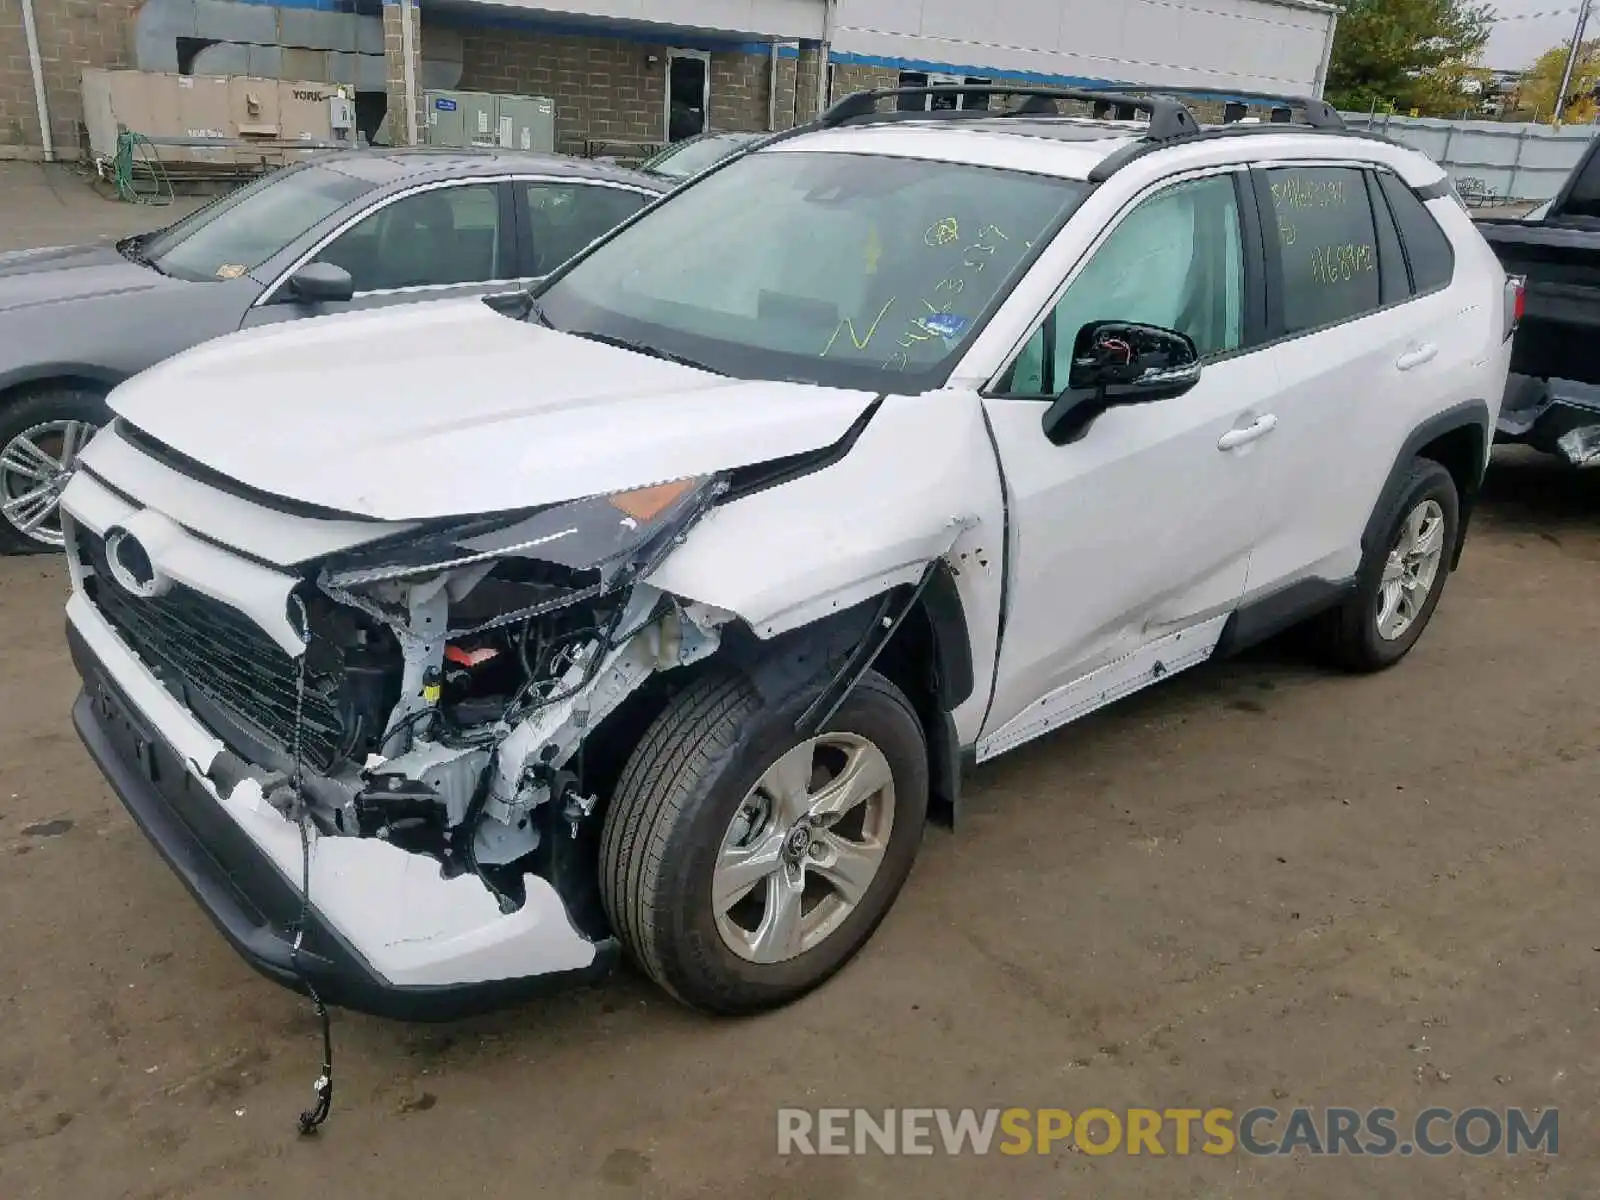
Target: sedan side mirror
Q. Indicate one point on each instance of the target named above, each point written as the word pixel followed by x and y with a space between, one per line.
pixel 1116 363
pixel 321 283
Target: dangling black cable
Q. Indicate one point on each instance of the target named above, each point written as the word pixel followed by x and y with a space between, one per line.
pixel 312 1119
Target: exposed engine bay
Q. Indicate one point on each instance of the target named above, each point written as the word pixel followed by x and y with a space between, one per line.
pixel 449 681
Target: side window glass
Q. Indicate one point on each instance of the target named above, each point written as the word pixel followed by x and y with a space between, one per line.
pixel 563 218
pixel 1428 249
pixel 1328 241
pixel 1176 261
pixel 434 238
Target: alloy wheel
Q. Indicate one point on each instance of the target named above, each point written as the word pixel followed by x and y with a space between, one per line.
pixel 35 466
pixel 803 848
pixel 1411 570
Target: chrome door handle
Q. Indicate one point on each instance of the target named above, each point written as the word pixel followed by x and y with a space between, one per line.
pixel 1235 438
pixel 1416 356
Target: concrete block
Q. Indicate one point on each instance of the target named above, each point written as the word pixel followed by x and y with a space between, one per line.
pixel 229 21
pixel 156 32
pixel 223 59
pixel 341 67
pixel 440 76
pixel 371 73
pixel 308 65
pixel 266 62
pixel 369 35
pixel 313 30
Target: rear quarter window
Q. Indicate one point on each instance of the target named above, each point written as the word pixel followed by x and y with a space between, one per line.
pixel 1429 254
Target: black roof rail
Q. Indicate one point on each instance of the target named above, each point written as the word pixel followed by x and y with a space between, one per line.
pixel 1319 114
pixel 1169 118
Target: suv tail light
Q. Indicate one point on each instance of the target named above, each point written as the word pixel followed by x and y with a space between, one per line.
pixel 1516 302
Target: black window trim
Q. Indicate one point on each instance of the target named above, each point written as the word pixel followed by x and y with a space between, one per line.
pixel 277 291
pixel 525 258
pixel 1252 244
pixel 1379 173
pixel 1277 323
pixel 1383 212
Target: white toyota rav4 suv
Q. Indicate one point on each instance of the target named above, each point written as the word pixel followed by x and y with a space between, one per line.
pixel 447 653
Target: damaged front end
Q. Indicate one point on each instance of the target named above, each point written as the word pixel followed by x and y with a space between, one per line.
pixel 449 679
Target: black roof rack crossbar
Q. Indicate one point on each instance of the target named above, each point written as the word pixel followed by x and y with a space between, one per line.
pixel 1169 118
pixel 1319 114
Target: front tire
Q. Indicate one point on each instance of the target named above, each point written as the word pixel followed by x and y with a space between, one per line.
pixel 741 864
pixel 1401 579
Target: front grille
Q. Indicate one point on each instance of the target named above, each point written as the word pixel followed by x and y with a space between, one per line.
pixel 205 646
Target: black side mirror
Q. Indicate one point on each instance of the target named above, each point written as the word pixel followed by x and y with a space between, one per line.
pixel 321 283
pixel 1116 363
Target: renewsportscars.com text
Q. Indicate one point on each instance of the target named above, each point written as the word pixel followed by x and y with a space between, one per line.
pixel 1261 1131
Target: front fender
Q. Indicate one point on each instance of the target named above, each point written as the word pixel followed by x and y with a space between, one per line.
pixel 919 484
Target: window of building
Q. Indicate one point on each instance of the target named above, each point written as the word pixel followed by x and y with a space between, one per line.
pixel 1329 245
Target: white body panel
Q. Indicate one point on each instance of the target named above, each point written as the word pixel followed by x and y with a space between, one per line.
pixel 920 483
pixel 413 927
pixel 219 516
pixel 369 418
pixel 1141 529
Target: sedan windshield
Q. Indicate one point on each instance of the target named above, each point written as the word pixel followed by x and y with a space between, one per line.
pixel 695 155
pixel 842 269
pixel 243 229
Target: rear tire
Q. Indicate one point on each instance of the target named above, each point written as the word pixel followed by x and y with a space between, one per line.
pixel 1399 582
pixel 688 816
pixel 41 432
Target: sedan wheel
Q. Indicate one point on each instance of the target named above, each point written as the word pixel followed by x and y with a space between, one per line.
pixel 35 465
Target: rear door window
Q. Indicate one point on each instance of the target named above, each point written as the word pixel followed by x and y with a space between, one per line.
pixel 1328 244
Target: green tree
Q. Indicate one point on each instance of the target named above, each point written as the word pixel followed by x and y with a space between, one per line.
pixel 1408 53
pixel 1538 89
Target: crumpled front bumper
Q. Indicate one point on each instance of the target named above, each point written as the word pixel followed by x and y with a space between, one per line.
pixel 386 934
pixel 1557 416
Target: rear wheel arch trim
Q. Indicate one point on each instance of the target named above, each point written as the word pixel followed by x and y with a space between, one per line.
pixel 1468 415
pixel 43 375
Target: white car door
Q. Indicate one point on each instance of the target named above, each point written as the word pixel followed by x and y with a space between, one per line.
pixel 1131 546
pixel 1363 361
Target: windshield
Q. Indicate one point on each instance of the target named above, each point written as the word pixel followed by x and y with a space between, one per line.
pixel 848 270
pixel 692 157
pixel 242 230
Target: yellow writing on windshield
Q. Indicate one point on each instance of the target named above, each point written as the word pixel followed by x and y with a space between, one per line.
pixel 942 232
pixel 849 326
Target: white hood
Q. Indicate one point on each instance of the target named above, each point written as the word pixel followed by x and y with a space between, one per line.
pixel 448 408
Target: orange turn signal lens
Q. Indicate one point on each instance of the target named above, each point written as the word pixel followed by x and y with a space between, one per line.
pixel 645 504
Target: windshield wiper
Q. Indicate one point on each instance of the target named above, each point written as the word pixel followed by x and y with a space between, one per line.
pixel 640 348
pixel 532 308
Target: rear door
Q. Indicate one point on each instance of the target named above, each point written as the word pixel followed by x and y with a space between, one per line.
pixel 1363 354
pixel 440 240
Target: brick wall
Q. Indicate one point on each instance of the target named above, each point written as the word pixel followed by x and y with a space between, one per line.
pixel 73 34
pixel 606 88
pixel 395 73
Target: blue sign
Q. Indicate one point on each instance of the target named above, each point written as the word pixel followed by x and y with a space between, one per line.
pixel 445 105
